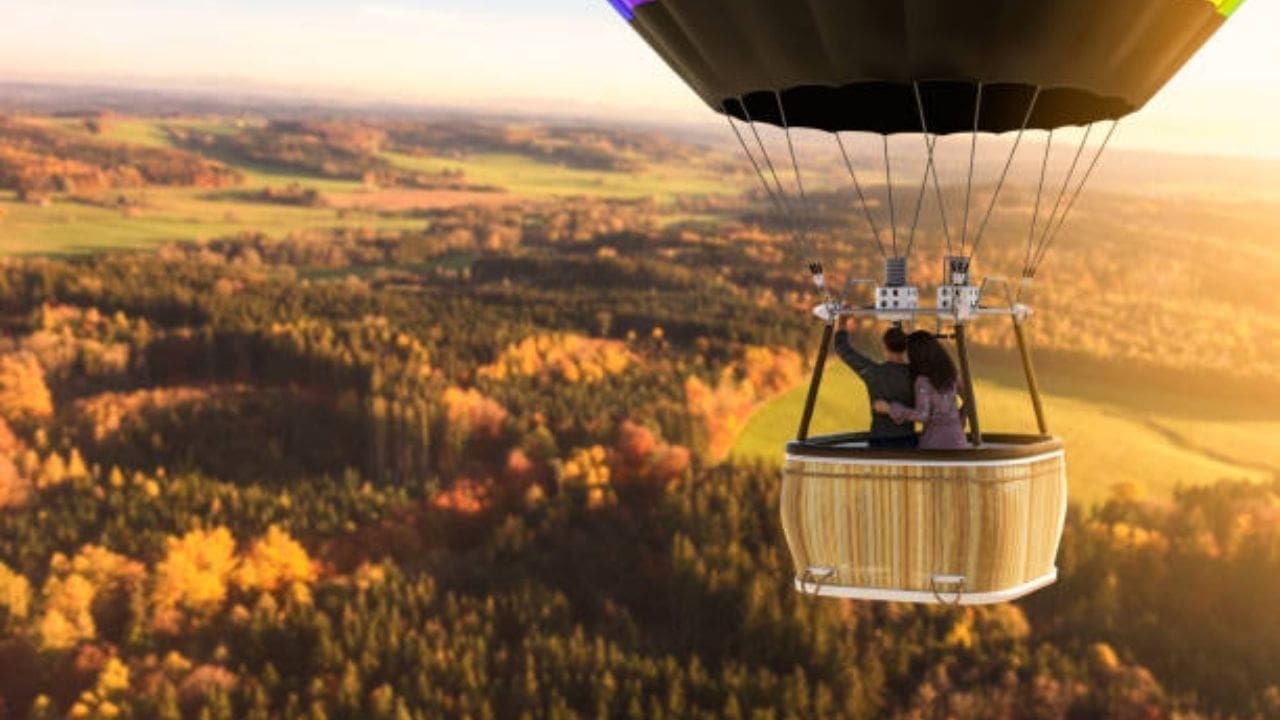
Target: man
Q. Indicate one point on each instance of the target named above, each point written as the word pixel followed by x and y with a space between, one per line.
pixel 889 380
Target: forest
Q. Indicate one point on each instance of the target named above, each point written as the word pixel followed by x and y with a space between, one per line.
pixel 478 464
pixel 37 160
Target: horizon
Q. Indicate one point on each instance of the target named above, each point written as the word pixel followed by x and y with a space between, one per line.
pixel 415 359
pixel 447 55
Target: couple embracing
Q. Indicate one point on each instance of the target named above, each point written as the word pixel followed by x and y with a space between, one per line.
pixel 917 383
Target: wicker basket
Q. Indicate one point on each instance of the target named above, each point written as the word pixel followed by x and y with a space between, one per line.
pixel 968 527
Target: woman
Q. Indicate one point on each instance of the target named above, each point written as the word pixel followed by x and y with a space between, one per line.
pixel 937 386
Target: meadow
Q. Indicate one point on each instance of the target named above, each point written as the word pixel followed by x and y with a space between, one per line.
pixel 1114 439
pixel 406 420
pixel 166 214
pixel 529 177
pixel 1170 440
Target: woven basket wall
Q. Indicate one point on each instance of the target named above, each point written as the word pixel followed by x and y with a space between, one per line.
pixel 897 526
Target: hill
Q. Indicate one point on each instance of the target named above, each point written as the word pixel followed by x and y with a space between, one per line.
pixel 427 421
pixel 456 488
pixel 365 175
pixel 1112 440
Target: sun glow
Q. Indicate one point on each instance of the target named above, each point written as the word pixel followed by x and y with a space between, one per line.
pixel 547 56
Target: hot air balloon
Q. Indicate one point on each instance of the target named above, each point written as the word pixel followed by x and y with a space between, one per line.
pixel 982 524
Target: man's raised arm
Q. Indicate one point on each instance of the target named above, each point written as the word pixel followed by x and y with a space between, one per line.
pixel 860 363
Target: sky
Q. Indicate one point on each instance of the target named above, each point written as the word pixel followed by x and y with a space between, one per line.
pixel 565 56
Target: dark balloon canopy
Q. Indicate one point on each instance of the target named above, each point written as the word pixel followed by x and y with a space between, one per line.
pixel 858 64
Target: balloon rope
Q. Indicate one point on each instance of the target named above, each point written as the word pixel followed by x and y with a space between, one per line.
pixel 795 166
pixel 1057 204
pixel 1035 213
pixel 1076 194
pixel 1004 174
pixel 888 182
pixel 924 188
pixel 756 166
pixel 790 214
pixel 862 198
pixel 930 144
pixel 768 161
pixel 973 153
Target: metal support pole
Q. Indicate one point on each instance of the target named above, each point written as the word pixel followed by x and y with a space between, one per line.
pixel 816 381
pixel 970 403
pixel 1033 386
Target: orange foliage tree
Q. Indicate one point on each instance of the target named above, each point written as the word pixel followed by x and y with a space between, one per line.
pixel 588 469
pixel 195 571
pixel 561 356
pixel 472 412
pixel 23 392
pixel 15 598
pixel 742 386
pixel 640 455
pixel 273 562
pixel 76 587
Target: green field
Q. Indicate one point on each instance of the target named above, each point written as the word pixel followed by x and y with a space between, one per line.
pixel 1154 443
pixel 529 177
pixel 171 214
pixel 168 215
pixel 148 131
pixel 182 214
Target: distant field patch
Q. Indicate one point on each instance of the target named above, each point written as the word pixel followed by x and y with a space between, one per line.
pixel 526 176
pixel 137 132
pixel 1107 443
pixel 150 132
pixel 166 215
pixel 157 215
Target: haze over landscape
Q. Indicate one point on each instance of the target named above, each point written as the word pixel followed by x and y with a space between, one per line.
pixel 435 360
pixel 560 56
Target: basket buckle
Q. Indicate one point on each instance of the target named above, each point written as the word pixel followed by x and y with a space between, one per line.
pixel 954 584
pixel 813 577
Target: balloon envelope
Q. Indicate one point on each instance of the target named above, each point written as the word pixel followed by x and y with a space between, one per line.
pixel 858 64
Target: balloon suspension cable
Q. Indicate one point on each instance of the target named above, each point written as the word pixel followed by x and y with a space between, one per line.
pixel 973 154
pixel 888 183
pixel 930 144
pixel 1057 203
pixel 805 210
pixel 919 204
pixel 1035 213
pixel 785 202
pixel 755 165
pixel 768 161
pixel 787 207
pixel 862 198
pixel 1075 195
pixel 1004 175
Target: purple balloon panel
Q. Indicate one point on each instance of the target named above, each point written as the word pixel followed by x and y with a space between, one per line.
pixel 626 8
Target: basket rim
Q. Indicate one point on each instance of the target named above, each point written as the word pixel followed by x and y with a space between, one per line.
pixel 996 447
pixel 884 594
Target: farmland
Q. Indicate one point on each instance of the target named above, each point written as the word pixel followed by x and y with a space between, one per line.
pixel 366 417
pixel 138 217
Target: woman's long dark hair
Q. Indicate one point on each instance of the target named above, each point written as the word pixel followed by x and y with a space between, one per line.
pixel 927 357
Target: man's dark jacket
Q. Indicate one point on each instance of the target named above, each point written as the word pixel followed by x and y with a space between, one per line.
pixel 885 381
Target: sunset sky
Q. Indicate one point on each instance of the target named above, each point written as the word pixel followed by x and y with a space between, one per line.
pixel 567 56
